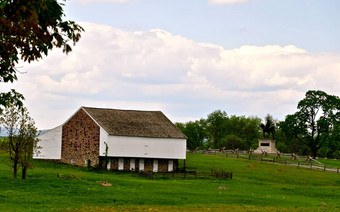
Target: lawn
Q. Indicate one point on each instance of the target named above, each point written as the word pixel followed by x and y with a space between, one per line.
pixel 255 186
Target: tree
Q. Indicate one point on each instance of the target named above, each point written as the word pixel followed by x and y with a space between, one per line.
pixel 29 30
pixel 316 120
pixel 22 137
pixel 195 131
pixel 216 126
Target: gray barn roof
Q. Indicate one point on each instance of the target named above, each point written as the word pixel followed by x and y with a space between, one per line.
pixel 134 123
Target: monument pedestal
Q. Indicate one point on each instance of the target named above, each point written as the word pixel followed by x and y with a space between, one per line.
pixel 267 145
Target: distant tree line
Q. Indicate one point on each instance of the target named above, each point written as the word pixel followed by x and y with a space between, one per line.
pixel 313 130
pixel 220 130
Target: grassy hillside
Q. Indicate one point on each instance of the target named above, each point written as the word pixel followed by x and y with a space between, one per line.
pixel 255 186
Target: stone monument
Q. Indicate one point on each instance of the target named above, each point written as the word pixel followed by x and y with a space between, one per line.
pixel 266 145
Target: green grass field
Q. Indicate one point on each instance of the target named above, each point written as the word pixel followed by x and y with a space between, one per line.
pixel 255 186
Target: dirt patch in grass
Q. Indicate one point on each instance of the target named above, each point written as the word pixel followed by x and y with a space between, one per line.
pixel 252 166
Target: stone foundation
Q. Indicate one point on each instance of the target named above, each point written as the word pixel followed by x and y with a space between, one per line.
pixel 163 164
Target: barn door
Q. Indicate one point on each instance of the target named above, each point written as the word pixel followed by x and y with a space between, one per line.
pixel 155 165
pixel 170 165
pixel 121 164
pixel 108 165
pixel 141 164
pixel 132 164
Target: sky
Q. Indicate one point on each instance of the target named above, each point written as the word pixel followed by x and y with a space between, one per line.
pixel 188 58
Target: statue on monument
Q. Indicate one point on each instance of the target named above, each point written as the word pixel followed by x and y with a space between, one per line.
pixel 269 127
pixel 267 145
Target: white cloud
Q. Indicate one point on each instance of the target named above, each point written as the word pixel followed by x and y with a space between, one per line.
pixel 227 2
pixel 157 70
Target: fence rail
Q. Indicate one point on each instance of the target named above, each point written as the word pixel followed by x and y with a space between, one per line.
pixel 213 174
pixel 283 159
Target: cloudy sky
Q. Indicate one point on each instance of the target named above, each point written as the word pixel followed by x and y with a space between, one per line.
pixel 188 58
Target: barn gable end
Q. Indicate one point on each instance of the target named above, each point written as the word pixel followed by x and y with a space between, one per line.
pixel 80 140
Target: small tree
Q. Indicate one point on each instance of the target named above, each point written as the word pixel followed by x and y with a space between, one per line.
pixel 106 160
pixel 22 137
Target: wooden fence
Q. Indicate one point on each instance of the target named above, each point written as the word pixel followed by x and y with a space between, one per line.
pixel 283 159
pixel 213 174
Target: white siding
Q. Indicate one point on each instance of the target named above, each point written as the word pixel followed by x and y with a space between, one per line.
pixel 50 143
pixel 124 146
pixel 103 137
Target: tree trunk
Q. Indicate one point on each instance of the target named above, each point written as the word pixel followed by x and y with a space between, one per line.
pixel 24 169
pixel 15 169
pixel 313 152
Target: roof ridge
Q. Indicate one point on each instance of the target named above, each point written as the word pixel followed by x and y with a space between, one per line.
pixel 121 109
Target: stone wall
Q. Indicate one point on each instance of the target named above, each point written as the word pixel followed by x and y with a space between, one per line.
pixel 80 140
pixel 162 165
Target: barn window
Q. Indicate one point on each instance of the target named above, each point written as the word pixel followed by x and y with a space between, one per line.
pixel 73 161
pixel 264 144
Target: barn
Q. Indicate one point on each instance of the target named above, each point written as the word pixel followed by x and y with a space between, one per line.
pixel 130 139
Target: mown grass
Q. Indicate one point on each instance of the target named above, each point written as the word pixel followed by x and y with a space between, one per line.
pixel 330 162
pixel 255 186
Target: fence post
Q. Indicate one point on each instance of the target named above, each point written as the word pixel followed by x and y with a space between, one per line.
pixel 273 160
pixel 337 170
pixel 237 155
pixel 285 163
pixel 311 164
pixel 249 156
pixel 298 163
pixel 324 168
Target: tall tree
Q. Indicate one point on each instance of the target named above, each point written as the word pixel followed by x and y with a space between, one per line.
pixel 217 127
pixel 315 121
pixel 195 131
pixel 29 30
pixel 22 137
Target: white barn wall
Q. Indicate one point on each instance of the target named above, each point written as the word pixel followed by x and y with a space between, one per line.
pixel 103 137
pixel 50 143
pixel 143 147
